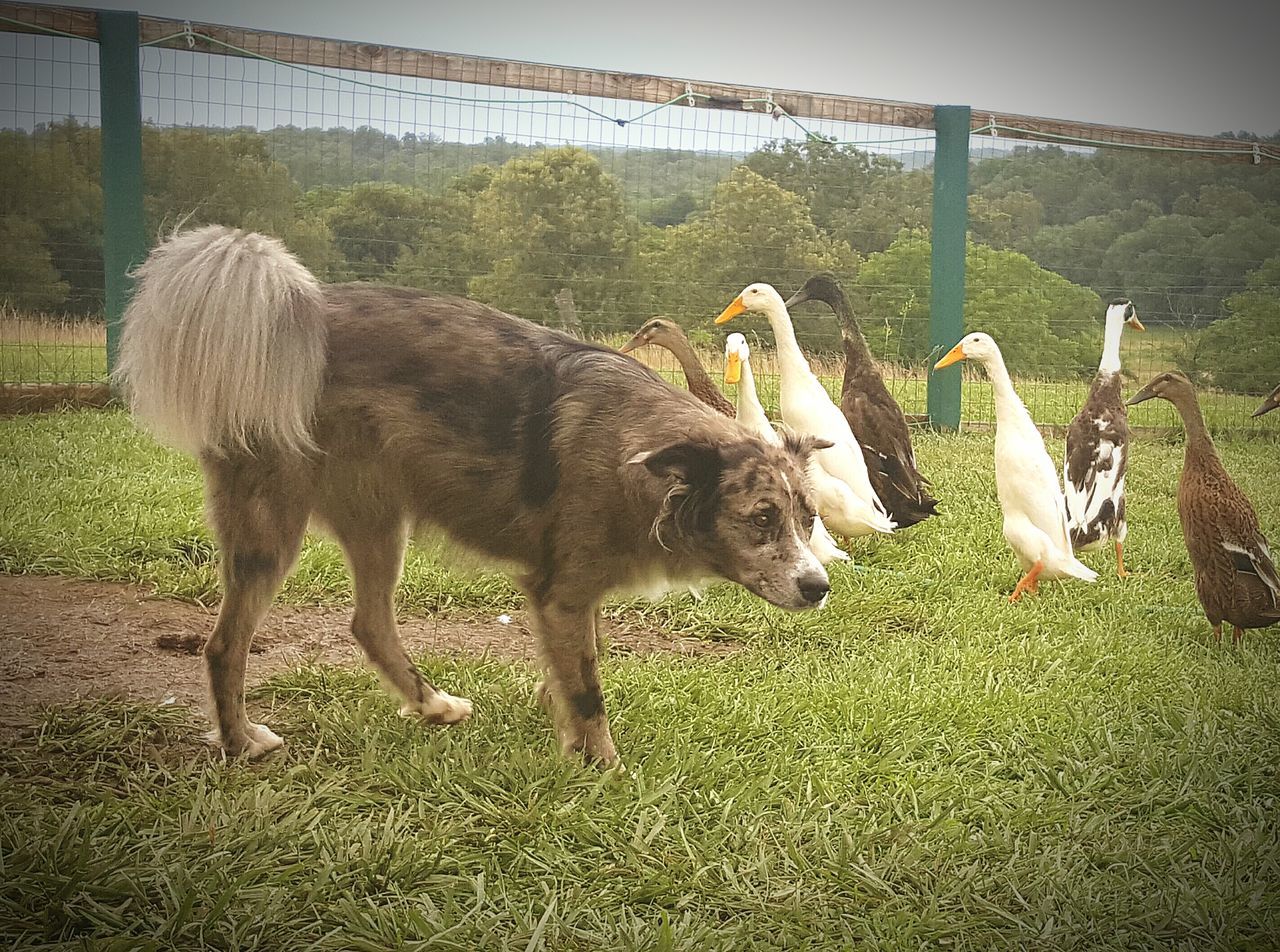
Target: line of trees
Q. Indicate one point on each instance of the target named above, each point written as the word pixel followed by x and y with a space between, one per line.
pixel 636 233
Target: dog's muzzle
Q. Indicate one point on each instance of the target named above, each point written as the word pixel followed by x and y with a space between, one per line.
pixel 814 588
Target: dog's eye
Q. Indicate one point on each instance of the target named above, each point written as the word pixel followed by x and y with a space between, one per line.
pixel 764 518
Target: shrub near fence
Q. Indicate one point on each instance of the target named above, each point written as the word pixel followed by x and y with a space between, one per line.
pixel 596 201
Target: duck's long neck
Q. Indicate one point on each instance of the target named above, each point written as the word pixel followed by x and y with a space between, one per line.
pixel 1199 441
pixel 1009 406
pixel 1110 363
pixel 790 357
pixel 689 363
pixel 747 396
pixel 750 411
pixel 855 345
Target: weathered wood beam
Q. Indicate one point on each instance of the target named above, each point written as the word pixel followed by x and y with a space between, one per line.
pixel 542 77
pixel 1043 129
pixel 82 23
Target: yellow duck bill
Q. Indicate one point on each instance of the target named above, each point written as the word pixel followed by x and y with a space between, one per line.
pixel 733 369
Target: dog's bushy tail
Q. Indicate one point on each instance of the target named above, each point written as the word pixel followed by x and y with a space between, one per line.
pixel 224 343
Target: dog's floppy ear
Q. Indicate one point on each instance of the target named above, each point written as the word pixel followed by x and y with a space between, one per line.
pixel 688 461
pixel 689 505
pixel 803 446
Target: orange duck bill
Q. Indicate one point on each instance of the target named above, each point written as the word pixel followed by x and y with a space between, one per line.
pixel 953 356
pixel 735 308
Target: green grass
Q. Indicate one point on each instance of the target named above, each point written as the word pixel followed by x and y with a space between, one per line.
pixel 52 363
pixel 921 765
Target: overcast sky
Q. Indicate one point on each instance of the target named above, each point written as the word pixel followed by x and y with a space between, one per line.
pixel 1176 65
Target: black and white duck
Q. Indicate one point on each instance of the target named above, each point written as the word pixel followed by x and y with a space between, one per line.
pixel 1098 448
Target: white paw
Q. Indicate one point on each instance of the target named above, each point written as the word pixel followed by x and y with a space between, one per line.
pixel 262 740
pixel 439 708
pixel 258 741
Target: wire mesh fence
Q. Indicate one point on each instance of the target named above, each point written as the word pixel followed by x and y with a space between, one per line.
pixel 595 213
pixel 50 211
pixel 549 207
pixel 1185 237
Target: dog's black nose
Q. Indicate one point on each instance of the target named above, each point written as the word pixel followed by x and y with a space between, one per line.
pixel 814 588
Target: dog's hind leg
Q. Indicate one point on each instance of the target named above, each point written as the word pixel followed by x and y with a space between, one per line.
pixel 258 511
pixel 567 644
pixel 375 548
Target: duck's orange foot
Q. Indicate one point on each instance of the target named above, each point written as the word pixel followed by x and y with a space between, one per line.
pixel 1121 571
pixel 1237 635
pixel 1029 582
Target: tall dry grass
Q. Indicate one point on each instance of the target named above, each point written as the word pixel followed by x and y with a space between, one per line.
pixel 34 327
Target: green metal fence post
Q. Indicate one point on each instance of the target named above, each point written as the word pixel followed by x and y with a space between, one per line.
pixel 124 239
pixel 950 221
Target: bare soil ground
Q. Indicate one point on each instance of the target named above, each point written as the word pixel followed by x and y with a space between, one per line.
pixel 62 639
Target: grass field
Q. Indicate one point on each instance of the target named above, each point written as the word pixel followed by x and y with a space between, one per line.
pixel 920 765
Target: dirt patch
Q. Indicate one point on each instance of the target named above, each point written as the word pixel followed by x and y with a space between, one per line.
pixel 64 639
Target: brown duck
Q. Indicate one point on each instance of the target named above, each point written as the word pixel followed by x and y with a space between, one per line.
pixel 874 416
pixel 663 333
pixel 1236 579
pixel 1269 404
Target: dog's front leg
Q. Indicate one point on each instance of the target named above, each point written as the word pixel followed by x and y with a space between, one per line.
pixel 567 644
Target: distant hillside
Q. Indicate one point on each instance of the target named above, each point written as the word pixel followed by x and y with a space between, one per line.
pixel 657 183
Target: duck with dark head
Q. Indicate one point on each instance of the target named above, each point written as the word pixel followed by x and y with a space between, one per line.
pixel 874 416
pixel 1236 579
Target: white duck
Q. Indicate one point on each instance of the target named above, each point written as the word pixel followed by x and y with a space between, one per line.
pixel 1035 514
pixel 807 409
pixel 737 370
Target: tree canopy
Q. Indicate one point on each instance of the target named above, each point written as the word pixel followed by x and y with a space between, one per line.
pixel 753 230
pixel 1044 324
pixel 549 221
pixel 628 233
pixel 1242 351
